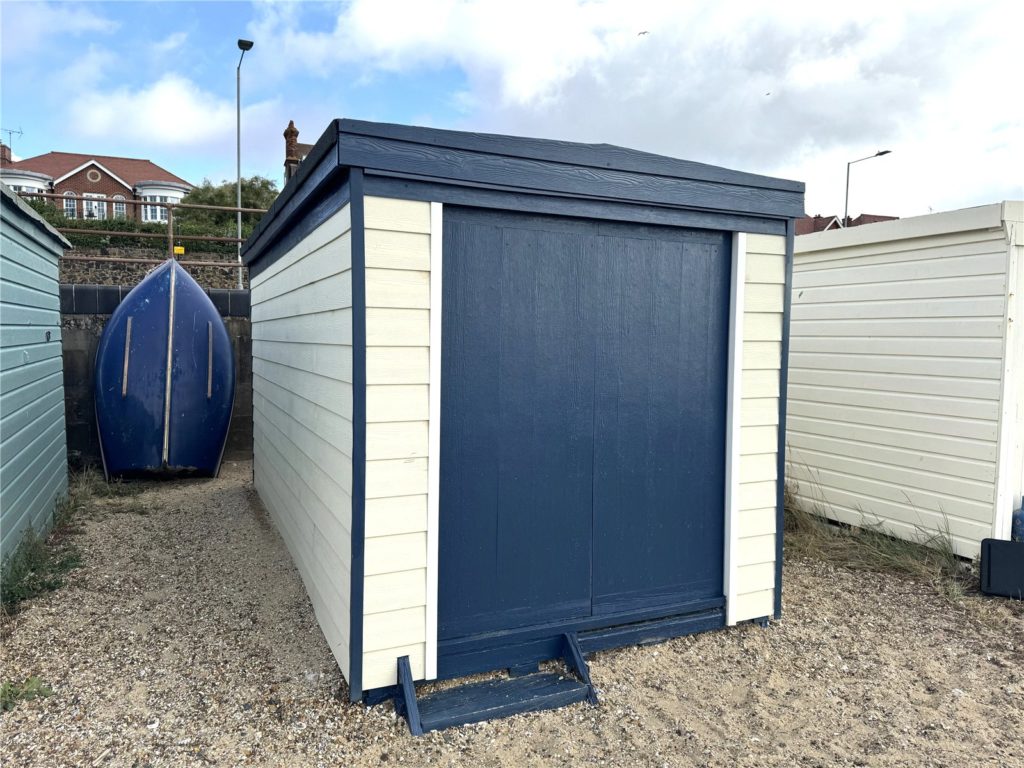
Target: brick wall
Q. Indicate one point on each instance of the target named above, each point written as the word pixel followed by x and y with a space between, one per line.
pixel 102 183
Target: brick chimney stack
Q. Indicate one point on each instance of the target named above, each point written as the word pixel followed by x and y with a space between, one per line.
pixel 5 154
pixel 291 149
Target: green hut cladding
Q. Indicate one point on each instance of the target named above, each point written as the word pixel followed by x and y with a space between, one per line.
pixel 517 400
pixel 33 453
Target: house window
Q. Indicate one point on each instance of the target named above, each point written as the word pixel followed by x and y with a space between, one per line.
pixel 119 207
pixel 154 212
pixel 93 208
pixel 70 206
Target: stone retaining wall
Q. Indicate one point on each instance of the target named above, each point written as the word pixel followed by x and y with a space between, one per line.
pixel 77 272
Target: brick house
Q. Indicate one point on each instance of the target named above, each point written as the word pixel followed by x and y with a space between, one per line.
pixel 817 223
pixel 83 180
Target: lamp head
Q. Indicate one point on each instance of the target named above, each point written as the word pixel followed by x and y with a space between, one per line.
pixel 244 45
pixel 879 153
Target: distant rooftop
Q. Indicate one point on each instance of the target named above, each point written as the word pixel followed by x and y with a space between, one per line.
pixel 129 169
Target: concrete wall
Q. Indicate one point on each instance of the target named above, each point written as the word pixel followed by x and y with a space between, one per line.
pixel 84 312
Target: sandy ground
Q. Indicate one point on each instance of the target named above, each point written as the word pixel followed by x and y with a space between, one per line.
pixel 186 639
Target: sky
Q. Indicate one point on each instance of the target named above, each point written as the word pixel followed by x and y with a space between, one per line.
pixel 789 89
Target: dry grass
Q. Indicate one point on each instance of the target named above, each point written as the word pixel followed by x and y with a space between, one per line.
pixel 39 565
pixel 930 558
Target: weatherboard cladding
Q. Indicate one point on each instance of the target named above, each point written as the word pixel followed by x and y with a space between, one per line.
pixel 302 414
pixel 367 562
pixel 33 454
pixel 904 387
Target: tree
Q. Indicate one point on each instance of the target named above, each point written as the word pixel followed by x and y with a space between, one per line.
pixel 257 192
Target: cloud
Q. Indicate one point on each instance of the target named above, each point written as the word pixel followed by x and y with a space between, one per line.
pixel 493 42
pixel 86 72
pixel 784 88
pixel 172 112
pixel 29 28
pixel 171 42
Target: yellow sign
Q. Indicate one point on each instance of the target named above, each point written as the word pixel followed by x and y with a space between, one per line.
pixel 179 250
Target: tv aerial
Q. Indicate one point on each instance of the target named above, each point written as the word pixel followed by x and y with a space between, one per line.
pixel 10 135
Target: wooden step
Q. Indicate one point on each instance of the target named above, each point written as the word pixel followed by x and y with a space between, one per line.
pixel 492 699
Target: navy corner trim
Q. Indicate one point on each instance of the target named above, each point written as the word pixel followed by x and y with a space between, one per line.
pixel 358 434
pixel 780 491
pixel 258 239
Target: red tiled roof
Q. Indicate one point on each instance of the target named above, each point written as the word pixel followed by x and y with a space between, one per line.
pixel 128 169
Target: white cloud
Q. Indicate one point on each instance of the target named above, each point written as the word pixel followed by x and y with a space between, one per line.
pixel 89 69
pixel 173 112
pixel 29 27
pixel 170 43
pixel 787 88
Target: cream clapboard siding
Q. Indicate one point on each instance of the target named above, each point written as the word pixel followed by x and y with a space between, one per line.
pixel 302 414
pixel 896 371
pixel 397 416
pixel 764 286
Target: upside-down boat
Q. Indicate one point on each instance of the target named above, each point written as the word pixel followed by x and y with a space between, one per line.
pixel 164 380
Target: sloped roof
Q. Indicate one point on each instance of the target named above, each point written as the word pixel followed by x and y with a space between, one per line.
pixel 131 170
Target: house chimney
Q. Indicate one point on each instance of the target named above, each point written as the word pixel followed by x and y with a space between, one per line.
pixel 291 150
pixel 5 154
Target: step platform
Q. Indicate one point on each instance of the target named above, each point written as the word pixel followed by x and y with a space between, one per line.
pixel 494 699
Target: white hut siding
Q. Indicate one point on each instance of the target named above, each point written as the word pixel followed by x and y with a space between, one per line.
pixel 896 374
pixel 764 297
pixel 302 414
pixel 398 251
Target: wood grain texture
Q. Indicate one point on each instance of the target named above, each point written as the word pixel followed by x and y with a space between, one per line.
pixel 604 156
pixel 456 165
pixel 33 455
pixel 302 414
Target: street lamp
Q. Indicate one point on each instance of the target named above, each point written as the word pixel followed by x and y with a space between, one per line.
pixel 846 205
pixel 243 46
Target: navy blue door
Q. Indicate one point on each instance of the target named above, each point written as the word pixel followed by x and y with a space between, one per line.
pixel 583 420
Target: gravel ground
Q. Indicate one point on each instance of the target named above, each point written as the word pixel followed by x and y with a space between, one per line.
pixel 186 639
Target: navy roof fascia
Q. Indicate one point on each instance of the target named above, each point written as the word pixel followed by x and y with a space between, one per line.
pixel 603 156
pixel 597 172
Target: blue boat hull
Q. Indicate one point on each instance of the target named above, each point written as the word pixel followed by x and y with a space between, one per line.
pixel 165 380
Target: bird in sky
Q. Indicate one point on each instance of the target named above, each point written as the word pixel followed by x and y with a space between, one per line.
pixel 640 34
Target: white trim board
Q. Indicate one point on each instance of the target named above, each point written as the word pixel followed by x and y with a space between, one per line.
pixel 732 424
pixel 434 436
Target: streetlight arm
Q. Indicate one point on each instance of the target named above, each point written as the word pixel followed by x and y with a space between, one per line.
pixel 846 204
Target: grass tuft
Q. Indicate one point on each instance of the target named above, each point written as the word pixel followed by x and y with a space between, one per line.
pixel 929 558
pixel 39 565
pixel 30 688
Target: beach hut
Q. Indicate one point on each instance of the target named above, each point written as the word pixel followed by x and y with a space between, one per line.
pixel 906 384
pixel 518 399
pixel 33 452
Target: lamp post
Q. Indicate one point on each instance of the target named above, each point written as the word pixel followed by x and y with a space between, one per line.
pixel 243 46
pixel 846 205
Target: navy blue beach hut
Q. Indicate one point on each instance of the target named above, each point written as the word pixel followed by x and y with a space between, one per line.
pixel 517 400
